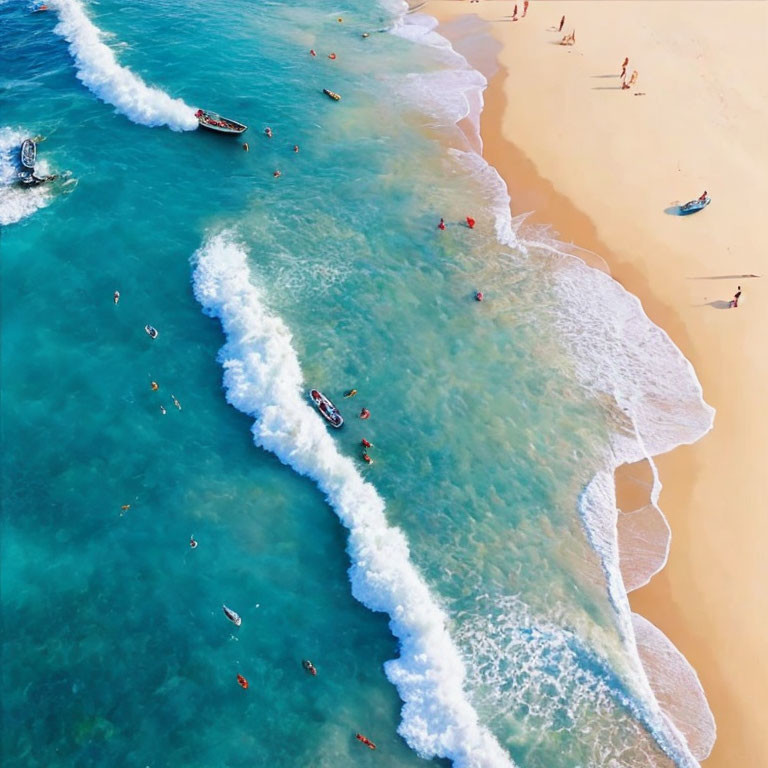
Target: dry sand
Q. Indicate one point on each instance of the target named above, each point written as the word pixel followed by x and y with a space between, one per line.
pixel 602 165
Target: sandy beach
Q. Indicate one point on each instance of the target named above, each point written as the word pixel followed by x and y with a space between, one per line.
pixel 606 167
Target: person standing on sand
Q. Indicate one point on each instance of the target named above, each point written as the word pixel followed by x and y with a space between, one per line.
pixel 514 13
pixel 441 225
pixel 562 21
pixel 525 8
pixel 736 297
pixel 624 65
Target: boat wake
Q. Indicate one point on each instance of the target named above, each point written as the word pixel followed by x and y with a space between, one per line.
pixel 99 71
pixel 17 201
pixel 263 378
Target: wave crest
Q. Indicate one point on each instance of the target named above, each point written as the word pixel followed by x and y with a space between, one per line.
pixel 98 70
pixel 263 378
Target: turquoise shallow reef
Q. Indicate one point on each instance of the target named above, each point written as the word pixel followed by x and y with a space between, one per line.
pixel 459 596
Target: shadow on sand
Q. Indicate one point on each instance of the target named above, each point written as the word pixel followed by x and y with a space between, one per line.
pixel 673 210
pixel 717 304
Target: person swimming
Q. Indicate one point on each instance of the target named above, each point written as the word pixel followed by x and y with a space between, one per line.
pixel 162 410
pixel 246 148
pixel 295 147
pixel 116 297
pixel 192 542
pixel 242 682
pixel 277 174
pixel 366 444
pixel 176 402
pixel 479 296
pixel 368 743
pixel 350 393
pixel 367 459
pixel 470 222
pixel 268 132
pixel 155 386
pixel 365 414
pixel 309 667
pixel 441 225
pixel 124 509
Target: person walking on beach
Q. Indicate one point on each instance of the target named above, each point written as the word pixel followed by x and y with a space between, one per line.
pixel 624 65
pixel 514 13
pixel 562 21
pixel 736 297
pixel 441 225
pixel 525 8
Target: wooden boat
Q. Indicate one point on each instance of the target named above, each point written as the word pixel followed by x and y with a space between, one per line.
pixel 213 122
pixel 28 154
pixel 232 616
pixel 694 205
pixel 331 94
pixel 327 409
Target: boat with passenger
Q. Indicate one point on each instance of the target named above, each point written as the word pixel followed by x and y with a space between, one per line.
pixel 218 124
pixel 327 409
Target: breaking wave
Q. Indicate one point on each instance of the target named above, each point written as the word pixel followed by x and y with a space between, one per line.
pixel 16 201
pixel 99 71
pixel 263 378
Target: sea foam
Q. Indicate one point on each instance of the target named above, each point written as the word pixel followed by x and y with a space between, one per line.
pixel 99 71
pixel 17 201
pixel 263 378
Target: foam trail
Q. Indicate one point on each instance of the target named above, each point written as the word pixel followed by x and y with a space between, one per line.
pixel 99 71
pixel 263 378
pixel 18 202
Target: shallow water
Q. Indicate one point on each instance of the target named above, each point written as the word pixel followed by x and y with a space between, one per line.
pixel 489 420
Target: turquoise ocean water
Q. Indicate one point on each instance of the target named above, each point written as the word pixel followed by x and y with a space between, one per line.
pixel 483 621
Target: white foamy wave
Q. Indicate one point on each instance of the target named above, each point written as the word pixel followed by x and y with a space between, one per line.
pixel 263 378
pixel 99 71
pixel 677 687
pixel 18 201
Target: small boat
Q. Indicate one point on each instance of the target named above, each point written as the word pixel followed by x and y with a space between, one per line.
pixel 694 205
pixel 327 409
pixel 28 154
pixel 332 94
pixel 309 667
pixel 218 124
pixel 152 332
pixel 232 616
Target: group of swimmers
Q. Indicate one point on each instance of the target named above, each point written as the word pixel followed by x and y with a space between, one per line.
pixel 364 414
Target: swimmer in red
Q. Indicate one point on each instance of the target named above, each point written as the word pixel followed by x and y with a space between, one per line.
pixel 441 225
pixel 470 222
pixel 479 296
pixel 368 743
pixel 366 444
pixel 309 666
pixel 268 132
pixel 365 414
pixel 312 52
pixel 242 681
pixel 367 459
pixel 331 55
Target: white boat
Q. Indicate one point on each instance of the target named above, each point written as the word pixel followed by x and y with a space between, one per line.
pixel 28 154
pixel 218 124
pixel 232 616
pixel 327 409
pixel 151 332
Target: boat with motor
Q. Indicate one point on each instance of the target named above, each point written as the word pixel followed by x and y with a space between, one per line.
pixel 28 154
pixel 332 94
pixel 151 332
pixel 232 616
pixel 218 124
pixel 327 409
pixel 694 206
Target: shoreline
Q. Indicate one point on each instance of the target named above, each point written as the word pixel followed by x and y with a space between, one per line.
pixel 690 599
